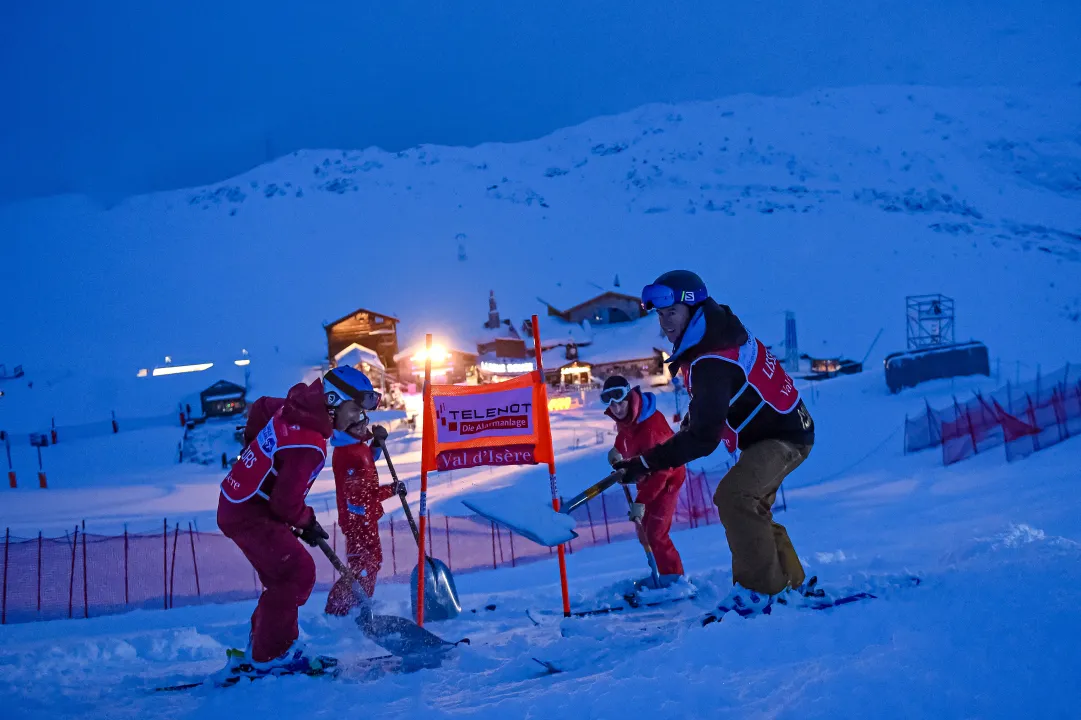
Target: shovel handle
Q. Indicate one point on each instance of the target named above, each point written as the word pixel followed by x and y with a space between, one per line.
pixel 641 532
pixel 591 492
pixel 336 561
pixel 401 495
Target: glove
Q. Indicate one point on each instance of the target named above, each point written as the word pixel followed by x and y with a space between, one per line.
pixel 637 512
pixel 379 433
pixel 313 533
pixel 398 488
pixel 634 469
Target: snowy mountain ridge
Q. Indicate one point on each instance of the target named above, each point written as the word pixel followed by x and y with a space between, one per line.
pixel 834 203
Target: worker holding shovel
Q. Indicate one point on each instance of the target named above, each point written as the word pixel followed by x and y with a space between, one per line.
pixel 360 506
pixel 640 427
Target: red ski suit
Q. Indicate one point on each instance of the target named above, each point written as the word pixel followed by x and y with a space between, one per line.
pixel 262 526
pixel 360 505
pixel 643 428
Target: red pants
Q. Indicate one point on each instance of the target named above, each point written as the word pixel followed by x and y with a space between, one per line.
pixel 657 523
pixel 287 573
pixel 364 555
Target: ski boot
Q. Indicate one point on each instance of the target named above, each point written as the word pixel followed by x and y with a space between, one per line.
pixel 806 595
pixel 745 603
pixel 294 661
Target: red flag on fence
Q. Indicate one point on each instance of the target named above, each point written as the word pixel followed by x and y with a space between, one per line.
pixel 1012 426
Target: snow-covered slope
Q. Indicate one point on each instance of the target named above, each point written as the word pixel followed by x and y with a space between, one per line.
pixel 991 633
pixel 834 204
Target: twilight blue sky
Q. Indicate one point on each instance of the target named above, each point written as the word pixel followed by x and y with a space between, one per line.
pixel 114 97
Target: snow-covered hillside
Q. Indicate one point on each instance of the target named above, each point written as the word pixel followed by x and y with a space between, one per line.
pixel 834 204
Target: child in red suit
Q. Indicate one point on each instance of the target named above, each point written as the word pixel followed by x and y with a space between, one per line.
pixel 640 427
pixel 360 505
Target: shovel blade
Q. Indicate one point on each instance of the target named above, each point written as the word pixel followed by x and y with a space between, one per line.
pixel 403 637
pixel 440 595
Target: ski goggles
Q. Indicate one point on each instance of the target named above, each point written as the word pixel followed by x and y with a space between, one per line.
pixel 662 296
pixel 366 399
pixel 615 394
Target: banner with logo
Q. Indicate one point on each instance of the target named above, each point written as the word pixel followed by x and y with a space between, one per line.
pixel 504 423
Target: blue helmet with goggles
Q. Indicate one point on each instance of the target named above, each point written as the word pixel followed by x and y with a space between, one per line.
pixel 346 383
pixel 675 286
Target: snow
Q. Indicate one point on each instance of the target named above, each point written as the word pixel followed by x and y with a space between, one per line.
pixel 990 633
pixel 934 149
pixel 534 520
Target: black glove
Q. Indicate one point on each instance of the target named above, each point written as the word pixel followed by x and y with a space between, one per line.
pixel 379 433
pixel 634 469
pixel 313 533
pixel 398 487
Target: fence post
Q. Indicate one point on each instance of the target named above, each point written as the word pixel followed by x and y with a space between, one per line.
pixel 1032 421
pixel 592 531
pixel 39 571
pixel 126 601
pixel 4 604
pixel 446 525
pixel 702 490
pixel 393 552
pixel 692 500
pixel 513 561
pixel 494 565
pixel 604 509
pixel 499 537
pixel 71 577
pixel 194 563
pixel 86 580
pixel 165 562
pixel 172 570
pixel 784 503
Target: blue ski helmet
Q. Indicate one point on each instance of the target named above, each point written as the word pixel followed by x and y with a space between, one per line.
pixel 675 286
pixel 347 383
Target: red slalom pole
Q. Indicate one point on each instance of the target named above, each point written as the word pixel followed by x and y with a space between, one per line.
pixel 551 463
pixel 423 513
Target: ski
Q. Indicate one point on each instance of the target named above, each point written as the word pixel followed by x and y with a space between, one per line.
pixel 823 603
pixel 328 667
pixel 549 668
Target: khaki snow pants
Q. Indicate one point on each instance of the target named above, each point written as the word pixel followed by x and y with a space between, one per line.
pixel 763 558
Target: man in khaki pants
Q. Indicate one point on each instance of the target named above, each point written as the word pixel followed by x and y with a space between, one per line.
pixel 741 396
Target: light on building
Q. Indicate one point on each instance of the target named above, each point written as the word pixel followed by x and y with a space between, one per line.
pixel 242 362
pixel 437 355
pixel 142 373
pixel 507 368
pixel 178 369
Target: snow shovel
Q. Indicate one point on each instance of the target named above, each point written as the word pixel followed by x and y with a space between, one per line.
pixel 540 523
pixel 613 458
pixel 397 635
pixel 440 595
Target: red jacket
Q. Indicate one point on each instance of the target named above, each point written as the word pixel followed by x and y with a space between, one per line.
pixel 645 428
pixel 360 496
pixel 303 406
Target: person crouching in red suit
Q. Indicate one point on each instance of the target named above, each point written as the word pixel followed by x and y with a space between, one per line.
pixel 262 505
